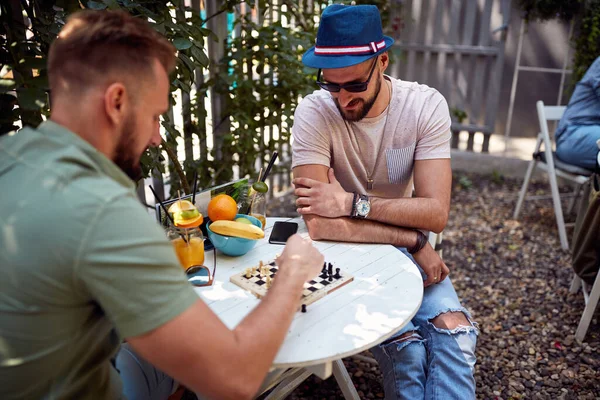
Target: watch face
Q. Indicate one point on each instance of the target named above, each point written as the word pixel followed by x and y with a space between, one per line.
pixel 363 208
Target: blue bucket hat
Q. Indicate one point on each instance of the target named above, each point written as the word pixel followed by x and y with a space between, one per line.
pixel 347 35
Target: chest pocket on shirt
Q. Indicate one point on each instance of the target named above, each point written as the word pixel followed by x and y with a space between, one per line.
pixel 400 163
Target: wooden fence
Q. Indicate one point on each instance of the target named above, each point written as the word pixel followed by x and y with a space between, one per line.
pixel 455 46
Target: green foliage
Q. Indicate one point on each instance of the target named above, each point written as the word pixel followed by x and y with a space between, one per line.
pixel 544 10
pixel 266 78
pixel 587 42
pixel 585 13
pixel 459 115
pixel 497 177
pixel 464 182
pixel 261 77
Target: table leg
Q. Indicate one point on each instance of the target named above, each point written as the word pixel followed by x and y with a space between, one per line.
pixel 344 382
pixel 323 371
pixel 274 377
pixel 288 385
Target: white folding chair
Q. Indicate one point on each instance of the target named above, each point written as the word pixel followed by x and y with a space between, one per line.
pixel 590 296
pixel 545 159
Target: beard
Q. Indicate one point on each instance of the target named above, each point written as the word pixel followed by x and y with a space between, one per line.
pixel 124 156
pixel 363 110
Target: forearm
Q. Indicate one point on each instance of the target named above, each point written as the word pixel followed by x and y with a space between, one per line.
pixel 260 335
pixel 360 231
pixel 415 212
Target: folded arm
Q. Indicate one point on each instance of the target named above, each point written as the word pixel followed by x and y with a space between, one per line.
pixel 325 205
pixel 320 194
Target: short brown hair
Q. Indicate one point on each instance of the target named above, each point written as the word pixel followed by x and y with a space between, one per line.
pixel 97 47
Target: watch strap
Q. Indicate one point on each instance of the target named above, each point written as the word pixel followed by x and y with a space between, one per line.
pixel 354 199
pixel 421 242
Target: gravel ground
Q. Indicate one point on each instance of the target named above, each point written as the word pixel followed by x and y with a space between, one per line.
pixel 514 277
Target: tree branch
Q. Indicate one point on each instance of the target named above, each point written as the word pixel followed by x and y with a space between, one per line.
pixel 173 157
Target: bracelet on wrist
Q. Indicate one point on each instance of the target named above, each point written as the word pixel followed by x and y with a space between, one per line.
pixel 421 242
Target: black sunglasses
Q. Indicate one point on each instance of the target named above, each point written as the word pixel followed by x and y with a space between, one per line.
pixel 349 87
pixel 200 275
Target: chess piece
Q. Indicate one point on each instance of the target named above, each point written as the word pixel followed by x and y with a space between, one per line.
pixel 330 269
pixel 303 307
pixel 337 274
pixel 248 273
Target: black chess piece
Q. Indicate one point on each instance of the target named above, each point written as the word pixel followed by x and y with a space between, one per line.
pixel 330 269
pixel 303 307
pixel 337 274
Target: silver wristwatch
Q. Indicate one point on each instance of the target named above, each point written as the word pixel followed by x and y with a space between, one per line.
pixel 362 207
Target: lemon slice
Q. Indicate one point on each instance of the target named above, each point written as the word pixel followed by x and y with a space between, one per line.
pixel 185 214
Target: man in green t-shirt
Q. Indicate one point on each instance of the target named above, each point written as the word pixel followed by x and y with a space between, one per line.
pixel 82 265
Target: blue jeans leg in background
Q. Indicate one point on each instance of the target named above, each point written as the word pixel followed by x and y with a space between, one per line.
pixel 141 380
pixel 430 362
pixel 577 146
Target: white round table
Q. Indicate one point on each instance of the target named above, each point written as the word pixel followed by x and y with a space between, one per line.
pixel 386 293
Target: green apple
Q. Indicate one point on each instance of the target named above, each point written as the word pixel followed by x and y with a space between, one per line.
pixel 243 220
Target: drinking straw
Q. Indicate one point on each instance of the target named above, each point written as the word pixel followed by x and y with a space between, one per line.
pixel 270 165
pixel 165 210
pixel 254 194
pixel 195 187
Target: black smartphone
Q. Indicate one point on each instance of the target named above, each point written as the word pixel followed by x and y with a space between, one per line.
pixel 282 231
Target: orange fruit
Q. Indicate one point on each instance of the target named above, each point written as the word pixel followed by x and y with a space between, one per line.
pixel 222 207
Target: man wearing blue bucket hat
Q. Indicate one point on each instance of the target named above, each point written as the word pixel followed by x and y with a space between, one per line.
pixel 382 136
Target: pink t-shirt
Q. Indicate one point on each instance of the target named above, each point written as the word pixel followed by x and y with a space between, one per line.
pixel 415 126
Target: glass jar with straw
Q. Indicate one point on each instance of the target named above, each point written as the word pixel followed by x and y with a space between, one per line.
pixel 258 202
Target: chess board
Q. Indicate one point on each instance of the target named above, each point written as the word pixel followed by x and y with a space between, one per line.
pixel 257 282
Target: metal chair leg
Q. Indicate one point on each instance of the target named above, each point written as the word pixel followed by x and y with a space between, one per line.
pixel 523 191
pixel 573 200
pixel 560 221
pixel 575 284
pixel 589 310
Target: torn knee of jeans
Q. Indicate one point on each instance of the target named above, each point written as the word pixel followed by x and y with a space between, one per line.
pixel 404 340
pixel 466 326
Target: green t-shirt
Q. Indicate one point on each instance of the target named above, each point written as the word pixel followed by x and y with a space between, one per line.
pixel 82 266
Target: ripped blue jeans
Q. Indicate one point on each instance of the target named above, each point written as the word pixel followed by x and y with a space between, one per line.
pixel 430 362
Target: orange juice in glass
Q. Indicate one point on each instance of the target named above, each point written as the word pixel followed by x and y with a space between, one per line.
pixel 192 252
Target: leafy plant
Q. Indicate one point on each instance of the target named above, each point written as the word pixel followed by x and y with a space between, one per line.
pixel 585 13
pixel 587 41
pixel 261 77
pixel 459 115
pixel 465 182
pixel 544 10
pixel 265 81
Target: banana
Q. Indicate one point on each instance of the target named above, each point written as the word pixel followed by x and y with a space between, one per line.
pixel 237 229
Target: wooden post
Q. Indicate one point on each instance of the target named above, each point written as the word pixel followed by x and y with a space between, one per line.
pixel 216 51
